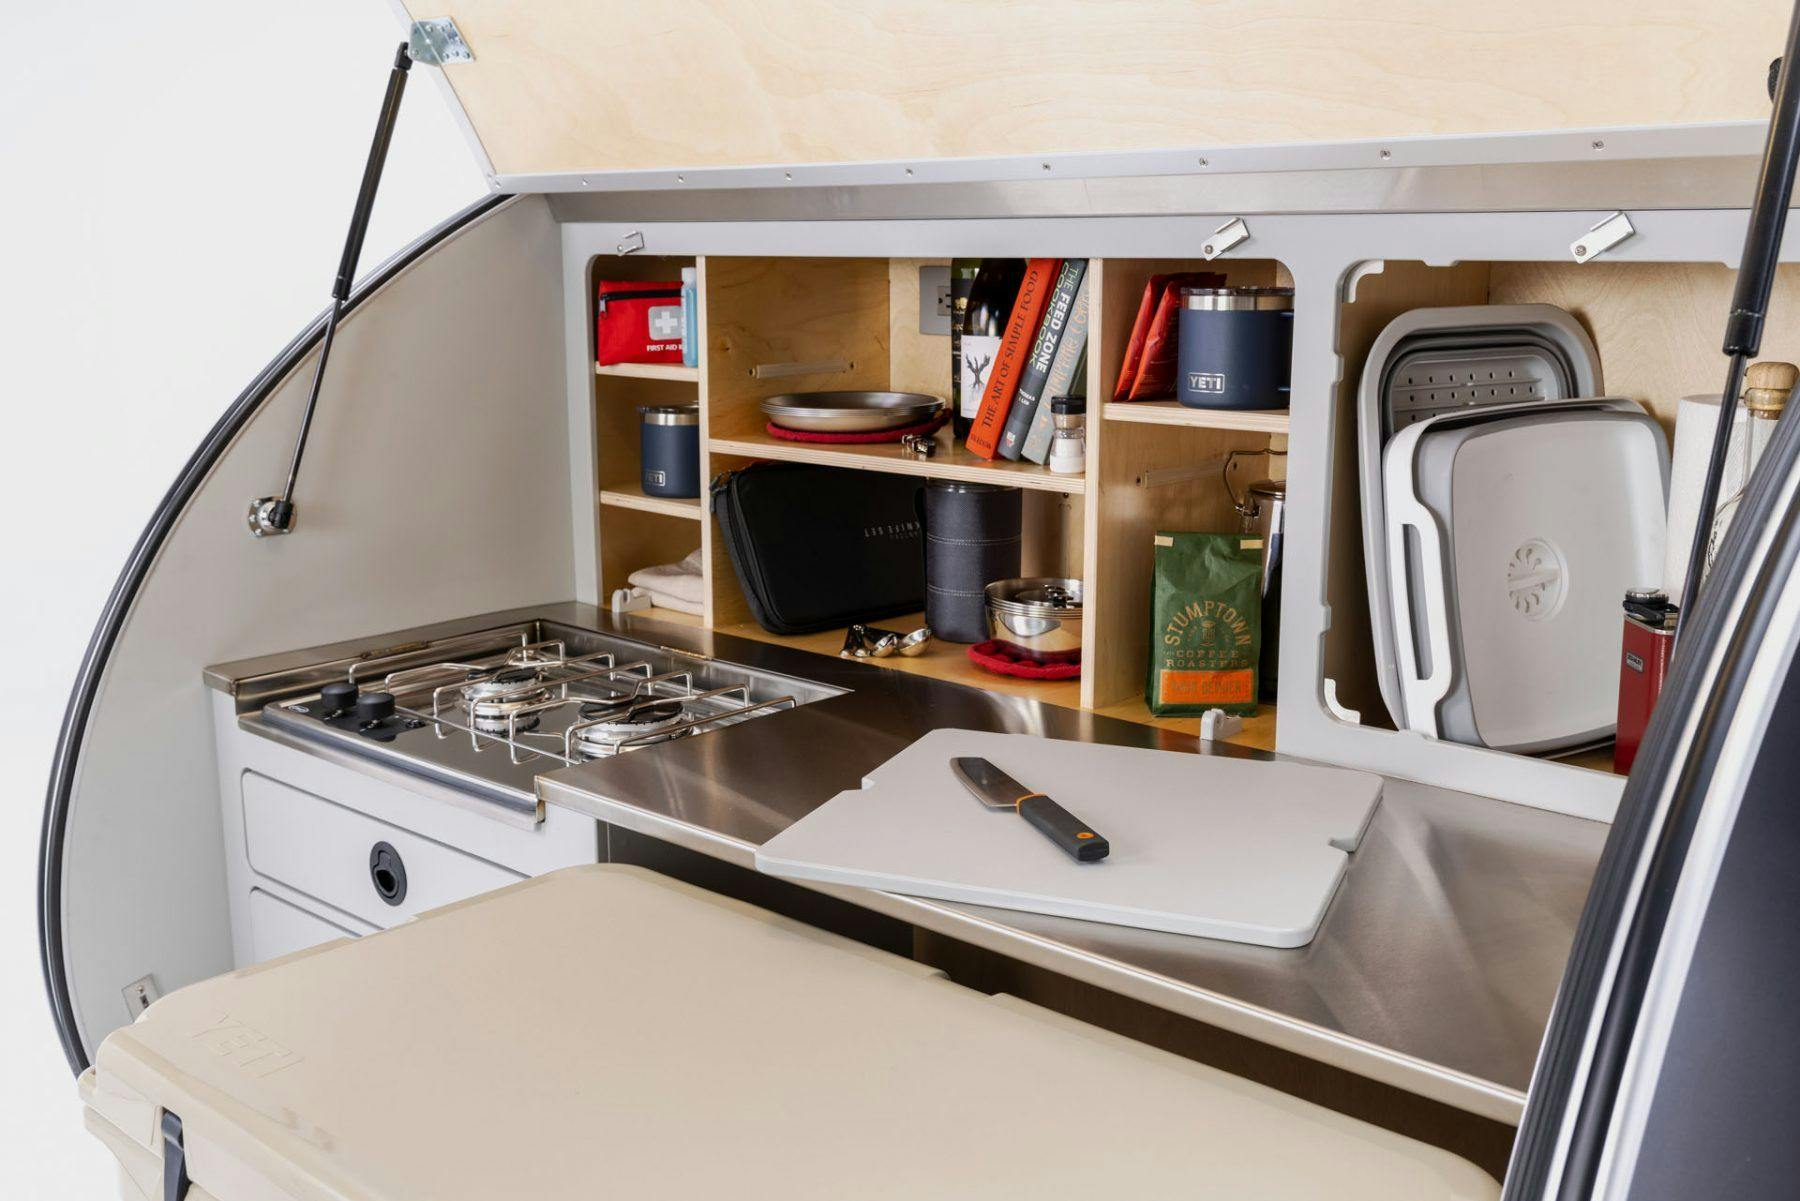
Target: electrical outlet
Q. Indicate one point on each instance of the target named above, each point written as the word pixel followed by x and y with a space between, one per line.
pixel 140 994
pixel 934 300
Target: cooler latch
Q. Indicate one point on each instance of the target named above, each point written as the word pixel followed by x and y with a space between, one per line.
pixel 175 1173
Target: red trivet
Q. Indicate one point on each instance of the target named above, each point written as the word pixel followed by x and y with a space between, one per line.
pixel 991 656
pixel 873 436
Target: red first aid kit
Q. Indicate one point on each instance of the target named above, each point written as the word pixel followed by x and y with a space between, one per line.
pixel 638 321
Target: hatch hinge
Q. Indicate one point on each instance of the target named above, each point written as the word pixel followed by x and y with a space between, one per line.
pixel 436 41
pixel 1601 237
pixel 174 1159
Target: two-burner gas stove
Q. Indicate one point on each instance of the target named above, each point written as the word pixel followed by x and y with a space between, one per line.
pixel 490 712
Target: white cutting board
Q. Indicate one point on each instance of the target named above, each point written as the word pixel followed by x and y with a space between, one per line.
pixel 1242 849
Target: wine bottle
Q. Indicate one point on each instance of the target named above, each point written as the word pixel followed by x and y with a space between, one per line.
pixel 991 299
pixel 962 279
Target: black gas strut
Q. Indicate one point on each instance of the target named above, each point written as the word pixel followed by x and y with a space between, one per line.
pixel 275 514
pixel 1750 301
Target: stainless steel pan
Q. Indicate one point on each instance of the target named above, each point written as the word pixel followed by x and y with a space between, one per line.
pixel 850 412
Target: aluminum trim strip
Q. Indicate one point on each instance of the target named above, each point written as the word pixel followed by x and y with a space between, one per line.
pixel 1705 140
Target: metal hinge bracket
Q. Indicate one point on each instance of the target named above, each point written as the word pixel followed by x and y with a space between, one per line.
pixel 1601 237
pixel 1225 237
pixel 262 518
pixel 437 42
pixel 631 243
pixel 174 1160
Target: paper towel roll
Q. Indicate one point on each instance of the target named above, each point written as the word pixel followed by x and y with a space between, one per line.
pixel 1696 422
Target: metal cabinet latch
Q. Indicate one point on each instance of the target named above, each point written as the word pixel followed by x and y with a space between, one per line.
pixel 630 244
pixel 1225 237
pixel 1601 237
pixel 436 41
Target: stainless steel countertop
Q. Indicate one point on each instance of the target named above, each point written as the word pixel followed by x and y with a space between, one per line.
pixel 1433 971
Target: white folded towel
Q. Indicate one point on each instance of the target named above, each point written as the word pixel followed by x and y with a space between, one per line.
pixel 664 600
pixel 679 586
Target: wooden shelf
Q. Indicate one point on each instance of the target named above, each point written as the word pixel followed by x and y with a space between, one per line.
pixel 1258 731
pixel 1599 758
pixel 673 617
pixel 669 371
pixel 950 661
pixel 1170 412
pixel 941 660
pixel 953 461
pixel 632 496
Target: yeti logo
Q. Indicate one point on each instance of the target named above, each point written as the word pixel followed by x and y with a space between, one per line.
pixel 665 322
pixel 1206 381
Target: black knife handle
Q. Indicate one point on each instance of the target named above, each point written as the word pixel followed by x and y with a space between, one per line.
pixel 1063 828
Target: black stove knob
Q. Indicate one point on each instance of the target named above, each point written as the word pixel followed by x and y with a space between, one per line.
pixel 374 706
pixel 337 698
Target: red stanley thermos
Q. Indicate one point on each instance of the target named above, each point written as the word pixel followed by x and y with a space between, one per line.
pixel 1650 619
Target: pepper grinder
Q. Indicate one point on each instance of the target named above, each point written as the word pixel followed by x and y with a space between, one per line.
pixel 1068 440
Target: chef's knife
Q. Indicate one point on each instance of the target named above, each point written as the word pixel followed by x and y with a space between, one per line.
pixel 997 790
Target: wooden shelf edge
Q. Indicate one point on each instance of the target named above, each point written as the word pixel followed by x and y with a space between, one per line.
pixel 691 509
pixel 946 661
pixel 949 662
pixel 1258 732
pixel 1169 412
pixel 886 458
pixel 674 617
pixel 668 371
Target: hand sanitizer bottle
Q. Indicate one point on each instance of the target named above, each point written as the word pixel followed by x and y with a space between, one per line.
pixel 690 318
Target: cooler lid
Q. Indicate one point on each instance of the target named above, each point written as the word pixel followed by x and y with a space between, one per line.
pixel 616 86
pixel 607 1030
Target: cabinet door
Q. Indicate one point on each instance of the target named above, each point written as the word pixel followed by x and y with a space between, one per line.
pixel 378 872
pixel 826 84
pixel 278 928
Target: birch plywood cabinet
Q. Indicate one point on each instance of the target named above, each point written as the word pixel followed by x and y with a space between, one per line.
pixel 853 323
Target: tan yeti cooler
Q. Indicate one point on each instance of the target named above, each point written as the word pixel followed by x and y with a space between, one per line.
pixel 604 1031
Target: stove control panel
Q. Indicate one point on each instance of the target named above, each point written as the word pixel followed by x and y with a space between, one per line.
pixel 370 714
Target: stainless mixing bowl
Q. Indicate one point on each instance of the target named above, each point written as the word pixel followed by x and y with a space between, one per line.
pixel 1037 618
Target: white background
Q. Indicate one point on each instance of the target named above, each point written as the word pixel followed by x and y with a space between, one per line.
pixel 177 181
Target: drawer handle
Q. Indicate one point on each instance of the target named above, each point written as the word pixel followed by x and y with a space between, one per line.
pixel 387 872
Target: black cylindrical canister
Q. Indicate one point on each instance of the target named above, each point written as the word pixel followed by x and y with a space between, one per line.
pixel 1235 348
pixel 971 540
pixel 670 446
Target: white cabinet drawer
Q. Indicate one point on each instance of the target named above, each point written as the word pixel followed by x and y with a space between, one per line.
pixel 370 869
pixel 279 928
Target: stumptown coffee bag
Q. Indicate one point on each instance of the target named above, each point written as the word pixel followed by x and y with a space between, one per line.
pixel 1205 624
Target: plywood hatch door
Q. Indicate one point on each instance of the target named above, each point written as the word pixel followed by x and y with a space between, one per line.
pixel 616 85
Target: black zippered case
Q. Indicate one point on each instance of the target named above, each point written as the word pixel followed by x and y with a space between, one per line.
pixel 818 547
